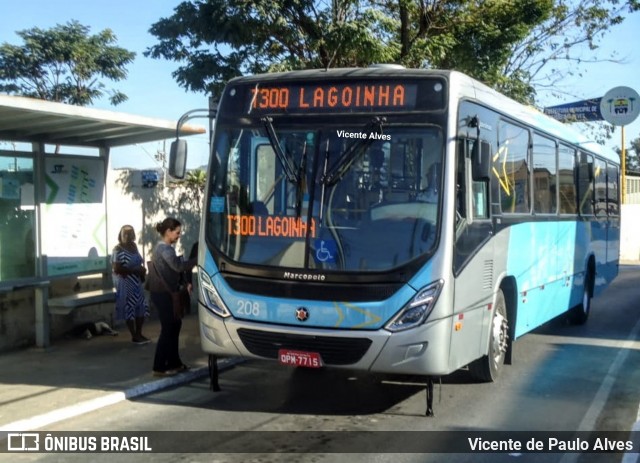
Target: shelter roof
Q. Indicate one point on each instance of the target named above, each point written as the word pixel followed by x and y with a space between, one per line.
pixel 31 120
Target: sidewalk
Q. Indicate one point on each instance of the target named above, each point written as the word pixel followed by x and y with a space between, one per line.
pixel 74 376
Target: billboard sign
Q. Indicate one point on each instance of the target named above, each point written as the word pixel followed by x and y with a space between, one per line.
pixel 578 111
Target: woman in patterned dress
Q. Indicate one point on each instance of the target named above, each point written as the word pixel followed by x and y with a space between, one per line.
pixel 128 275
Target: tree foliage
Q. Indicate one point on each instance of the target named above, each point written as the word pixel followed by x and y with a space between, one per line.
pixel 512 46
pixel 193 184
pixel 221 39
pixel 64 64
pixel 566 43
pixel 632 156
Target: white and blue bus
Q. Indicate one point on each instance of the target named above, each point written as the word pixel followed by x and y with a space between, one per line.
pixel 396 221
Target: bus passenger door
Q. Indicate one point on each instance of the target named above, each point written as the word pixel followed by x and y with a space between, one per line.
pixel 473 261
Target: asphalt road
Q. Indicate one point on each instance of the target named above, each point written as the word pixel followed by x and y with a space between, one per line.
pixel 564 379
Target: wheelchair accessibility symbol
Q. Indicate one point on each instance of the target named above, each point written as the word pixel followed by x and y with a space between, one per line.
pixel 326 250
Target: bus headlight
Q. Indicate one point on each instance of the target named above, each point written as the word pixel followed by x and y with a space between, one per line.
pixel 210 296
pixel 417 309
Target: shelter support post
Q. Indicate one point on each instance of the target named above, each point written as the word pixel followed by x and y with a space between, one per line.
pixel 43 325
pixel 41 291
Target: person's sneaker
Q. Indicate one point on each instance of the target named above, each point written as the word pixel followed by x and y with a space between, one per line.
pixel 140 340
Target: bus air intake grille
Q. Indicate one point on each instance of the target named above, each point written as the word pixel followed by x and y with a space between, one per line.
pixel 334 350
pixel 361 292
pixel 487 275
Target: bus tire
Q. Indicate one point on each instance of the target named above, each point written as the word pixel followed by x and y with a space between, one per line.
pixel 579 314
pixel 487 368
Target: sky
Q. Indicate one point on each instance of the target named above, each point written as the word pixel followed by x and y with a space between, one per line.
pixel 151 89
pixel 153 92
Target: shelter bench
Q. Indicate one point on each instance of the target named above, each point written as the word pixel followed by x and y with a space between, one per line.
pixel 64 305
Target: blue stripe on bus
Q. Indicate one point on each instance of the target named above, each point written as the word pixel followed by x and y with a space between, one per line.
pixel 548 261
pixel 322 314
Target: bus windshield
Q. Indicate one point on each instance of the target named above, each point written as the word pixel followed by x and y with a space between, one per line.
pixel 349 199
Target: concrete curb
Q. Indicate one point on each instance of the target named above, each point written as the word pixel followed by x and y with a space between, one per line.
pixel 629 263
pixel 181 378
pixel 166 383
pixel 72 411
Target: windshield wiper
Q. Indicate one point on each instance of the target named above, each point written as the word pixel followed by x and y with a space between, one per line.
pixel 288 164
pixel 353 151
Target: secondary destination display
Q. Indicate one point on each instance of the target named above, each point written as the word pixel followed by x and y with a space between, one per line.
pixel 287 227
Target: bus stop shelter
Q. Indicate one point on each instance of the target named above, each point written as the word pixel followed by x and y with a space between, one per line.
pixel 53 215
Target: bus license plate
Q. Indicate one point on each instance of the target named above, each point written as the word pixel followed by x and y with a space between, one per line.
pixel 299 358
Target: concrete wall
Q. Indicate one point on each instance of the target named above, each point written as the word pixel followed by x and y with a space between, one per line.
pixel 17 319
pixel 129 203
pixel 630 233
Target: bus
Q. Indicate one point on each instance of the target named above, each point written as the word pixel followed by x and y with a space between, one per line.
pixel 396 220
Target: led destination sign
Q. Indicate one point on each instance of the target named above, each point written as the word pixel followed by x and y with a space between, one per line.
pixel 388 96
pixel 379 95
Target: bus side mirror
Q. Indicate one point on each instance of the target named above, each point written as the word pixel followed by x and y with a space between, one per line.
pixel 178 159
pixel 480 160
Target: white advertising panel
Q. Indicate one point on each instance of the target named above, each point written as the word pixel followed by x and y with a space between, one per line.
pixel 74 231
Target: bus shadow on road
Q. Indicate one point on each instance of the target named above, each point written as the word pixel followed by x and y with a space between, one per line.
pixel 258 386
pixel 279 389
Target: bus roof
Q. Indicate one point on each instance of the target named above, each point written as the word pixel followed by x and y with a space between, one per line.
pixel 461 86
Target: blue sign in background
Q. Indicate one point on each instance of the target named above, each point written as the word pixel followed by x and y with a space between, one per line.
pixel 578 111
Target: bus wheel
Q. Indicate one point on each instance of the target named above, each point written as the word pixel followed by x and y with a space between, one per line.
pixel 487 368
pixel 579 314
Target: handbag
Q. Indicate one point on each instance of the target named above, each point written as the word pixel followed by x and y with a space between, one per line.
pixel 179 299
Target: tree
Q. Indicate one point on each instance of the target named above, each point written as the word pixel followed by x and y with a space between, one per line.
pixel 221 39
pixel 193 184
pixel 511 46
pixel 563 45
pixel 64 64
pixel 632 156
pixel 477 38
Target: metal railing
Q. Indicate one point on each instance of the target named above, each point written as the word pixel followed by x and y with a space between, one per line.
pixel 632 195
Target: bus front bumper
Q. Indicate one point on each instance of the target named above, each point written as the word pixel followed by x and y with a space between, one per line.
pixel 423 350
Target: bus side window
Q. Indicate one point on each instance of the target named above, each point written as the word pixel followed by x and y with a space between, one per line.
pixel 511 168
pixel 613 176
pixel 480 190
pixel 585 185
pixel 600 181
pixel 461 181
